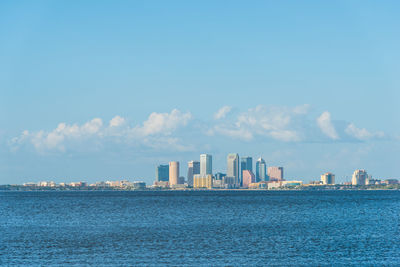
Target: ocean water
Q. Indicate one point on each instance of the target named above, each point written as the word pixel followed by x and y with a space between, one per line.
pixel 218 228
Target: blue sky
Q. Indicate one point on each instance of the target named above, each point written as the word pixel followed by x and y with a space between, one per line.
pixel 101 90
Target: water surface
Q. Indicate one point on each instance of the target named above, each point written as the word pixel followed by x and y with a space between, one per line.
pixel 200 228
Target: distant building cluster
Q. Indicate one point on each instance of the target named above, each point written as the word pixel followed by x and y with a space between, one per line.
pixel 239 174
pixel 122 184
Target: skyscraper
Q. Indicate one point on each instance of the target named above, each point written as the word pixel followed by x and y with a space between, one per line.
pixel 275 173
pixel 328 178
pixel 205 164
pixel 173 172
pixel 359 177
pixel 193 169
pixel 162 173
pixel 261 170
pixel 246 163
pixel 233 168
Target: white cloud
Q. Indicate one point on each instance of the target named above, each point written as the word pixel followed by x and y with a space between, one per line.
pixel 222 112
pixel 362 134
pixel 272 122
pixel 172 131
pixel 116 121
pixel 156 126
pixel 325 124
pixel 163 123
pixel 92 126
pixel 55 139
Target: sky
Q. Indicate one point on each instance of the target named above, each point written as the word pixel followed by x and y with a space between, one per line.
pixel 106 90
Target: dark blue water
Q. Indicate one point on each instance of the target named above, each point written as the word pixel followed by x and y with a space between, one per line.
pixel 200 228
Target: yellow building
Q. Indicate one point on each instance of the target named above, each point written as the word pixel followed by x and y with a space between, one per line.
pixel 202 181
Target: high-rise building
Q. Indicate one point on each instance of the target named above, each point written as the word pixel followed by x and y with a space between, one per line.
pixel 205 164
pixel 248 178
pixel 275 173
pixel 261 170
pixel 173 173
pixel 328 178
pixel 246 163
pixel 162 173
pixel 233 168
pixel 359 177
pixel 193 169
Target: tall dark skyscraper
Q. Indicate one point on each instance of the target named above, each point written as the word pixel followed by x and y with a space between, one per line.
pixel 261 170
pixel 246 163
pixel 162 173
pixel 193 169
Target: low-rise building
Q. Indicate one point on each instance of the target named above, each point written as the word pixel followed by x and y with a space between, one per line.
pixel 274 184
pixel 292 183
pixel 248 178
pixel 391 181
pixel 217 183
pixel 371 181
pixel 161 184
pixel 229 182
pixel 279 184
pixel 202 181
pixel 137 185
pixel 259 185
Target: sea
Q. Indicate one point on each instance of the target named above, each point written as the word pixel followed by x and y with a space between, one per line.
pixel 200 228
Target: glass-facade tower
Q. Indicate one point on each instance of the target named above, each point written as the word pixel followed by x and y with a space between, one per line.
pixel 246 163
pixel 205 164
pixel 193 169
pixel 261 170
pixel 162 173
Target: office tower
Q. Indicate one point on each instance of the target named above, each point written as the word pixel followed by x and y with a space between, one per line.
pixel 162 173
pixel 359 177
pixel 173 172
pixel 261 170
pixel 205 164
pixel 328 178
pixel 248 178
pixel 233 168
pixel 275 173
pixel 193 168
pixel 246 163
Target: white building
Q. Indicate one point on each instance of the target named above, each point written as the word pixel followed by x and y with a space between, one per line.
pixel 359 177
pixel 233 168
pixel 205 164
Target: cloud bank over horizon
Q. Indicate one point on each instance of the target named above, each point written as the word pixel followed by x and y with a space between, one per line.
pixel 177 130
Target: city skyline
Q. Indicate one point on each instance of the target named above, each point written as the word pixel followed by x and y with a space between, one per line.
pixel 100 90
pixel 199 133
